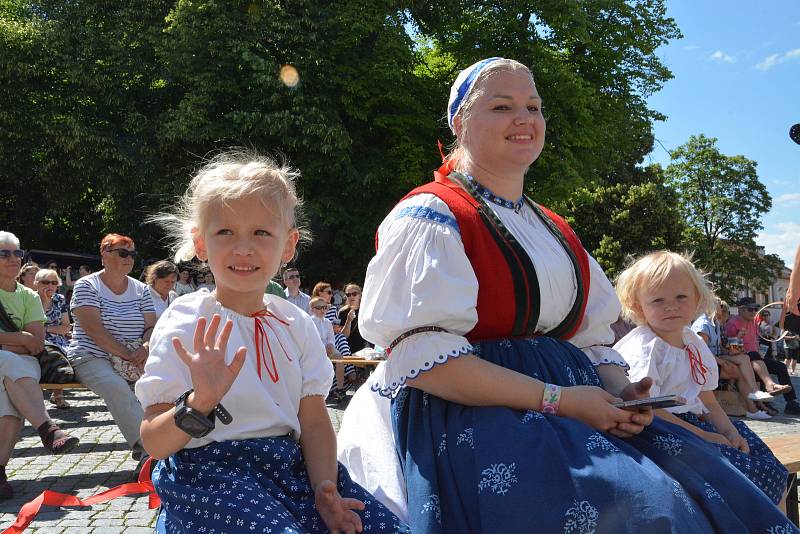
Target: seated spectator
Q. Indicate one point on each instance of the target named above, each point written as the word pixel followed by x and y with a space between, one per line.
pixel 57 326
pixel 20 395
pixel 27 275
pixel 206 281
pixel 709 328
pixel 742 326
pixel 160 278
pixel 113 315
pixel 345 374
pixel 324 326
pixel 184 284
pixel 348 317
pixel 291 279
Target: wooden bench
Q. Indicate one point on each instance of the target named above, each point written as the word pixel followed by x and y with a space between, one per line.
pixel 358 362
pixel 72 385
pixel 787 450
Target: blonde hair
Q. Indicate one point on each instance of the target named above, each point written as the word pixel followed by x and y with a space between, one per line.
pixel 458 153
pixel 650 271
pixel 316 300
pixel 232 175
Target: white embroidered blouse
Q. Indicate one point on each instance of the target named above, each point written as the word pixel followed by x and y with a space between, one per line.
pixel 260 406
pixel 421 276
pixel 669 366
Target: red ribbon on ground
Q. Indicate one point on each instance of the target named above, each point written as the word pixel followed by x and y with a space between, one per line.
pixel 30 509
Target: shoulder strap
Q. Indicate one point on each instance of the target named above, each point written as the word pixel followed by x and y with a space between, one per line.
pixel 6 323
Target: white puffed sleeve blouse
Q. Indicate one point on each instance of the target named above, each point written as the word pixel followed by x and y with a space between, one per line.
pixel 261 407
pixel 421 276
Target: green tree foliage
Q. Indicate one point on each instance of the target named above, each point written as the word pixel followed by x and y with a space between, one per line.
pixel 722 200
pixel 107 107
pixel 618 220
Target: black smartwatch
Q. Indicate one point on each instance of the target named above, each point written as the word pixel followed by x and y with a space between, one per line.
pixel 191 421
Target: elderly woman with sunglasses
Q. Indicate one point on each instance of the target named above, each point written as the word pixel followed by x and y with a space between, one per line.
pixel 58 325
pixel 20 396
pixel 114 315
pixel 502 415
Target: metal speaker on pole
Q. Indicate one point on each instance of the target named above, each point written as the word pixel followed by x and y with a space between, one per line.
pixel 794 133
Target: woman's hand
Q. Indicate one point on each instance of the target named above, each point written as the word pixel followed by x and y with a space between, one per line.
pixel 336 511
pixel 211 376
pixel 643 416
pixel 592 405
pixel 713 437
pixel 32 344
pixel 139 356
pixel 351 315
pixel 737 441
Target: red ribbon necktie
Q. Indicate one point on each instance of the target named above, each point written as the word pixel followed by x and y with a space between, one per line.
pixel 262 341
pixel 696 363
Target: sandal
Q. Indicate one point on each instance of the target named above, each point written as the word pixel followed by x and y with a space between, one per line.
pixel 779 390
pixel 768 408
pixel 55 440
pixel 60 402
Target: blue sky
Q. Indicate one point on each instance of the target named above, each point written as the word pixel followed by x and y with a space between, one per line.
pixel 737 78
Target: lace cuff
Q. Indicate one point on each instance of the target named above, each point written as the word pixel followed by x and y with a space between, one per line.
pixel 600 355
pixel 417 354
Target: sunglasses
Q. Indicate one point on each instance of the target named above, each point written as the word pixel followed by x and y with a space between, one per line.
pixel 353 294
pixel 124 253
pixel 5 253
pixel 320 307
pixel 293 277
pixel 48 282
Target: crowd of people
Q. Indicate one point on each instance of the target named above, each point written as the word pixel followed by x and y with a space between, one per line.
pixel 497 407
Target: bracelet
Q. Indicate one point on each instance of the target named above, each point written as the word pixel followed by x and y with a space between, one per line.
pixel 550 399
pixel 410 333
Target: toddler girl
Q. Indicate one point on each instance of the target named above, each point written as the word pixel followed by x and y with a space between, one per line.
pixel 235 384
pixel 663 293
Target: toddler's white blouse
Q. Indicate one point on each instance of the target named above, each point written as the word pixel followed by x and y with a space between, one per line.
pixel 421 276
pixel 669 366
pixel 260 407
pixel 325 329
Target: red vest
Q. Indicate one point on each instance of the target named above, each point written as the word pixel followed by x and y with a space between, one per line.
pixel 508 289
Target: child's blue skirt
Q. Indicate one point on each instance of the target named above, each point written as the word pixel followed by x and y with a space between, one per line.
pixel 760 466
pixel 254 485
pixel 494 469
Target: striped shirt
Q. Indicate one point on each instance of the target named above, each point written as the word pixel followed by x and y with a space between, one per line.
pixel 122 315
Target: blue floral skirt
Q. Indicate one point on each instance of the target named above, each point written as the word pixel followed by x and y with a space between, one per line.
pixel 494 469
pixel 254 485
pixel 760 466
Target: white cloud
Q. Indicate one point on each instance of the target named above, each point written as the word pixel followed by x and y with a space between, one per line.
pixel 783 243
pixel 788 198
pixel 722 57
pixel 776 59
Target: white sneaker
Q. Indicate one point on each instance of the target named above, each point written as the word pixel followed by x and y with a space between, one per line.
pixel 760 396
pixel 760 414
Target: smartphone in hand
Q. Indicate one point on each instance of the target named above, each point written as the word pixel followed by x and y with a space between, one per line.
pixel 666 401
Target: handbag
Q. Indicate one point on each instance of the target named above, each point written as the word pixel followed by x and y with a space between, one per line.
pixel 53 361
pixel 127 370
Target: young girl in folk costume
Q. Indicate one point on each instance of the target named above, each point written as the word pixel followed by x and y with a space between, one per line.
pixel 501 386
pixel 663 293
pixel 235 384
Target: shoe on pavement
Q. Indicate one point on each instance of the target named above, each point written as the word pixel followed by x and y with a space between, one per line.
pixel 792 408
pixel 760 414
pixel 760 396
pixel 6 491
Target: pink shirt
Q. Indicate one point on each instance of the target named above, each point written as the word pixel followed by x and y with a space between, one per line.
pixel 750 340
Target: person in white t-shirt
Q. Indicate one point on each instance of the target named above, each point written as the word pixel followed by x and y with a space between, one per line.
pixel 663 293
pixel 160 278
pixel 251 418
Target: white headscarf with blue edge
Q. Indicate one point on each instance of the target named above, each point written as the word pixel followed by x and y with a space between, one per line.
pixel 463 85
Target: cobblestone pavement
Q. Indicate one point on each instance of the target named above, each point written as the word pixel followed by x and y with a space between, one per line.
pixel 102 460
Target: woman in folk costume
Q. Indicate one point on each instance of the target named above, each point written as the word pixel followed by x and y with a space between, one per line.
pixel 501 389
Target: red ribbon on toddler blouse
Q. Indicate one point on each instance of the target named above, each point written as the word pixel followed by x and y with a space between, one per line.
pixel 30 509
pixel 262 340
pixel 696 363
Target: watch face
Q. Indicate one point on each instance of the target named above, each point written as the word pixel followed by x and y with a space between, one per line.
pixel 193 426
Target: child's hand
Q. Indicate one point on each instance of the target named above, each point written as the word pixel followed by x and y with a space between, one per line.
pixel 592 405
pixel 211 377
pixel 336 511
pixel 737 441
pixel 713 437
